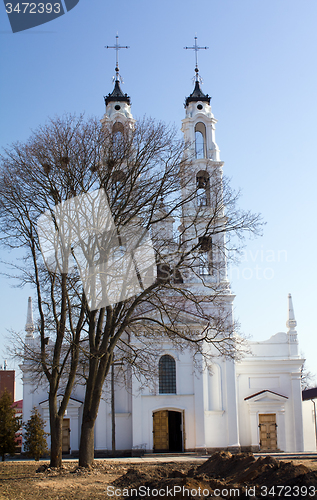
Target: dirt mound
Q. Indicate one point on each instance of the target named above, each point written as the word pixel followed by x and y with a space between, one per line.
pixel 221 471
pixel 223 464
pixel 135 477
pixel 148 485
pixel 271 472
pixel 132 477
pixel 245 469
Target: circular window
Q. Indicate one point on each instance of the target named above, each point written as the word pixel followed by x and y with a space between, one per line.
pixel 199 106
pixel 117 107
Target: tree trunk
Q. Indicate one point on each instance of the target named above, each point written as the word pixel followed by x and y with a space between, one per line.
pixel 97 374
pixel 87 444
pixel 113 413
pixel 56 434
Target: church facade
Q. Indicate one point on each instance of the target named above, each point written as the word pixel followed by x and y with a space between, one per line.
pixel 254 404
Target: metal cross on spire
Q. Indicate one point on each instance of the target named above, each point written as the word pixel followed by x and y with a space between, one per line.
pixel 117 47
pixel 196 48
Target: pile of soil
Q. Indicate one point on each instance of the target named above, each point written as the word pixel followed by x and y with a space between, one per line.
pixel 244 468
pixel 230 475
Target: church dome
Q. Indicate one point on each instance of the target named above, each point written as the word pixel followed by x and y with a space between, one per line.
pixel 117 95
pixel 197 95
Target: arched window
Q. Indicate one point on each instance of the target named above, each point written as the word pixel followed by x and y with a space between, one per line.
pixel 203 188
pixel 117 127
pixel 118 140
pixel 167 375
pixel 205 256
pixel 200 140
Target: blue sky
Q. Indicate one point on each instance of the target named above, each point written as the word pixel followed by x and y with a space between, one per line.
pixel 261 72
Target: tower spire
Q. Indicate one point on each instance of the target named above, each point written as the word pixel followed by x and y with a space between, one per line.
pixel 117 94
pixel 197 94
pixel 29 327
pixel 291 321
pixel 196 48
pixel 117 47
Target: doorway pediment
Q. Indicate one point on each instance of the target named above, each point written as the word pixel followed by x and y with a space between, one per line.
pixel 266 396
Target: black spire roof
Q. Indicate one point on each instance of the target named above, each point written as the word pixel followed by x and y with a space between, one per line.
pixel 197 95
pixel 117 95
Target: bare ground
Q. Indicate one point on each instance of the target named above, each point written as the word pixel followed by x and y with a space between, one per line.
pixel 223 476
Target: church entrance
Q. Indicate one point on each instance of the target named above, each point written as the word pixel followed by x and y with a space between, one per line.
pixel 66 437
pixel 167 431
pixel 268 432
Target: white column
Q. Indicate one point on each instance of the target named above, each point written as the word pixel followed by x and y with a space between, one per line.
pixel 137 416
pixel 101 427
pixel 281 430
pixel 231 409
pixel 297 412
pixel 200 439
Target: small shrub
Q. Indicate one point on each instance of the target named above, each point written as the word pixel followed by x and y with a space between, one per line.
pixel 34 438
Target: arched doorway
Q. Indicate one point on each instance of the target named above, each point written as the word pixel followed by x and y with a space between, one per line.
pixel 168 431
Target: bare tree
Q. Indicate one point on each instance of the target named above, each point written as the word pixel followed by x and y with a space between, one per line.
pixel 52 166
pixel 144 174
pixel 307 378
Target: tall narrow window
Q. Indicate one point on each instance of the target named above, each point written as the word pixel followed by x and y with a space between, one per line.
pixel 205 256
pixel 200 140
pixel 118 140
pixel 203 188
pixel 167 375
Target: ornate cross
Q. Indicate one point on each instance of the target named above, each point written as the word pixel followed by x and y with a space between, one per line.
pixel 196 48
pixel 117 47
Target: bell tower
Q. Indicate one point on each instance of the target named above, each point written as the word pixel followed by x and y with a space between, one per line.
pixel 202 191
pixel 118 105
pixel 118 122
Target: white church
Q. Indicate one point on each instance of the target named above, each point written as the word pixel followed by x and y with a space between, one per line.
pixel 254 404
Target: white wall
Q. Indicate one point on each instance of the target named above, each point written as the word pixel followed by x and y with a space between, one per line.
pixel 309 425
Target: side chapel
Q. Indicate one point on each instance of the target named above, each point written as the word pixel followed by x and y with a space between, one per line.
pixel 254 404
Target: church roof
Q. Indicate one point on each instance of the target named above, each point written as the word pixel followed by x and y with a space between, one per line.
pixel 309 394
pixel 197 95
pixel 117 95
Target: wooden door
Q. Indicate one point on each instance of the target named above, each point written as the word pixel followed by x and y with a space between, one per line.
pixel 160 430
pixel 66 436
pixel 268 432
